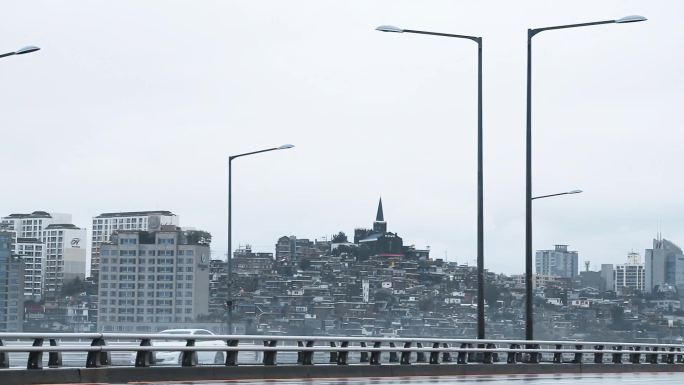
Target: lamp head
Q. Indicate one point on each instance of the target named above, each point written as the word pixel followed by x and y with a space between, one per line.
pixel 27 49
pixel 389 28
pixel 285 146
pixel 574 192
pixel 631 19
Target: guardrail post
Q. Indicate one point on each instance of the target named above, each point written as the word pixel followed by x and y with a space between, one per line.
pixel 333 353
pixel 558 357
pixel 420 356
pixel 598 357
pixel 343 354
pixel 651 358
pixel 35 359
pixel 463 357
pixel 375 354
pixel 364 355
pixel 98 358
pixel 393 357
pixel 495 355
pixel 487 356
pixel 512 356
pixel 307 357
pixel 671 356
pixel 143 358
pixel 232 355
pixel 189 357
pixel 4 358
pixel 434 355
pixel 533 357
pixel 680 358
pixel 578 356
pixel 54 358
pixel 406 355
pixel 617 357
pixel 300 354
pixel 663 357
pixel 446 356
pixel 635 358
pixel 270 355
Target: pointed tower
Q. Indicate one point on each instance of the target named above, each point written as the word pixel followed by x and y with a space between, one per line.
pixel 380 226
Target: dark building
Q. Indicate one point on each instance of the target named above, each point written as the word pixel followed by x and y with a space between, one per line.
pixel 379 241
pixel 11 286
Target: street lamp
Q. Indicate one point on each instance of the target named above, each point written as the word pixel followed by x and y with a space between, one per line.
pixel 557 194
pixel 229 300
pixel 480 215
pixel 21 51
pixel 529 320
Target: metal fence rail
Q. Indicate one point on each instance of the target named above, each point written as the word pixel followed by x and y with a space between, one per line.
pixel 370 351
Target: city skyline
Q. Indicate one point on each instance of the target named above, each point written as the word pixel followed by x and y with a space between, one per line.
pixel 172 102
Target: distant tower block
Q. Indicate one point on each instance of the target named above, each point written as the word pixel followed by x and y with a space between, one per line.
pixel 586 265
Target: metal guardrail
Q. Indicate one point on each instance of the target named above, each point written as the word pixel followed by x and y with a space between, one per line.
pixel 403 351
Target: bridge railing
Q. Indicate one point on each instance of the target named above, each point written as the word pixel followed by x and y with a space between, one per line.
pixel 337 349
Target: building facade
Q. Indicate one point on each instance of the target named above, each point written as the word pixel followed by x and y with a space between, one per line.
pixel 558 262
pixel 249 263
pixel 65 256
pixel 32 252
pixel 32 225
pixel 52 248
pixel 293 249
pixel 630 276
pixel 664 265
pixel 151 281
pixel 11 286
pixel 105 224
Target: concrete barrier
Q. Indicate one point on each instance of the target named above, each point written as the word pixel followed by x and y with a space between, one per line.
pixel 122 375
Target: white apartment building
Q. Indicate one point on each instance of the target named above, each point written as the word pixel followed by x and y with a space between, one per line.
pixel 631 275
pixel 32 225
pixel 32 251
pixel 105 224
pixel 151 281
pixel 65 256
pixel 39 240
pixel 559 262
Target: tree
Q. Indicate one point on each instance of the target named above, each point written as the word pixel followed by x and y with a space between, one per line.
pixel 340 238
pixel 73 287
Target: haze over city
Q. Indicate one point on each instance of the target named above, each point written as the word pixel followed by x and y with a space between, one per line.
pixel 128 110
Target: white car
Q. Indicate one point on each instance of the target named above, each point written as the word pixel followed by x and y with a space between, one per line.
pixel 203 357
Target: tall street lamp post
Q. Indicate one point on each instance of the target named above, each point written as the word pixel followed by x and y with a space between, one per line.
pixel 229 299
pixel 480 220
pixel 529 320
pixel 21 51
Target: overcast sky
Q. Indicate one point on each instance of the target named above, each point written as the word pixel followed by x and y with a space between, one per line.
pixel 135 105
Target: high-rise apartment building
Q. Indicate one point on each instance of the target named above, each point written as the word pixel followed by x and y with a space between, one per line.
pixel 52 248
pixel 630 275
pixel 32 225
pixel 11 286
pixel 664 265
pixel 32 252
pixel 105 224
pixel 65 256
pixel 558 262
pixel 608 276
pixel 153 280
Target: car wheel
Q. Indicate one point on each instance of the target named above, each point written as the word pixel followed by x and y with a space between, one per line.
pixel 218 359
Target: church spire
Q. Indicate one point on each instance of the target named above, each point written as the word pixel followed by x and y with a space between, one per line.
pixel 380 217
